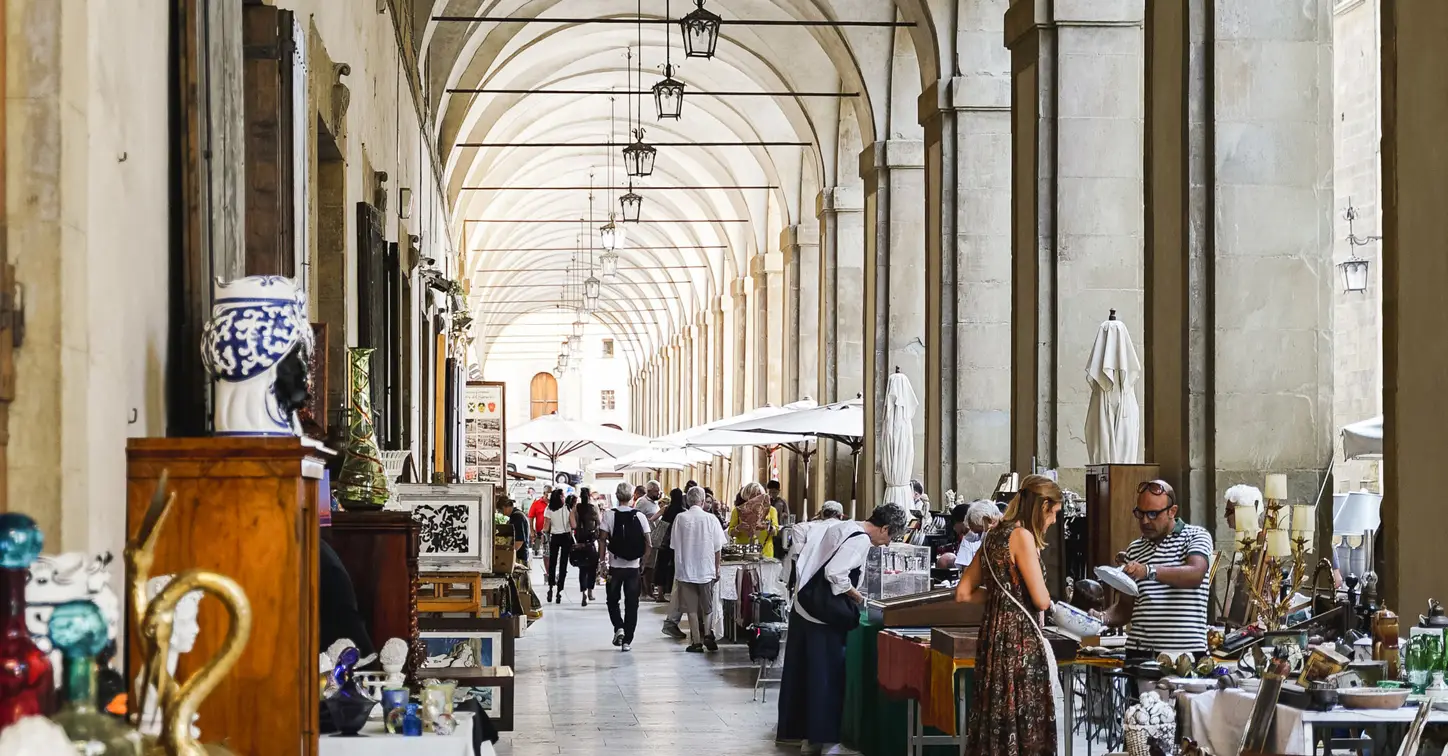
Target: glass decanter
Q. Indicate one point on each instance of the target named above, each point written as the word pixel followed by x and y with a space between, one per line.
pixel 79 631
pixel 27 683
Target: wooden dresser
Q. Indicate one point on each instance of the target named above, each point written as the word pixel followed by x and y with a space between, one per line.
pixel 1110 497
pixel 246 507
pixel 379 550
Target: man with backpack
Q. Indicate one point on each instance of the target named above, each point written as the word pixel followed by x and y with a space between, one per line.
pixel 624 533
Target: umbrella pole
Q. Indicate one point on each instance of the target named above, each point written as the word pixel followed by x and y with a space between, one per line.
pixel 854 483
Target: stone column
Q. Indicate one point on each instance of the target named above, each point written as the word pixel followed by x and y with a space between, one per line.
pixel 740 324
pixel 1415 354
pixel 895 289
pixel 967 157
pixel 840 210
pixel 717 333
pixel 1076 79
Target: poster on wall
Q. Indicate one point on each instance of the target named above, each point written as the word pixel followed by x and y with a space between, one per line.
pixel 484 449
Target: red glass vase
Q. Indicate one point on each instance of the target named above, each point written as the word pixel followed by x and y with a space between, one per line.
pixel 27 682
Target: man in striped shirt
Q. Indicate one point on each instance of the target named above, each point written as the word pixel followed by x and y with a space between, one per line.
pixel 1169 564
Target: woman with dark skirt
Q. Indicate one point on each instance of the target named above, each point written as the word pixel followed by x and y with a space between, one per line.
pixel 1014 711
pixel 560 543
pixel 585 550
pixel 664 565
pixel 812 686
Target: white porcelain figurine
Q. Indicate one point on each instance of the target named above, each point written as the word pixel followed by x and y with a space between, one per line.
pixel 394 658
pixel 183 639
pixel 256 347
pixel 34 736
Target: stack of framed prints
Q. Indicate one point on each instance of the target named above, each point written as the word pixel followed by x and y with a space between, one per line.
pixel 456 523
pixel 476 652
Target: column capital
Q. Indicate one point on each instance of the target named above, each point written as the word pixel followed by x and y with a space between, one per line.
pixel 1027 16
pixel 738 287
pixel 978 91
pixel 718 308
pixel 840 199
pixel 766 264
pixel 789 241
pixel 890 155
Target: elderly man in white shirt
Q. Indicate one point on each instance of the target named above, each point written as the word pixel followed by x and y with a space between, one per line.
pixel 979 516
pixel 812 687
pixel 698 542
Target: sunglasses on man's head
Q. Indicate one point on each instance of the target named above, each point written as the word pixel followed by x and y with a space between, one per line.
pixel 1155 487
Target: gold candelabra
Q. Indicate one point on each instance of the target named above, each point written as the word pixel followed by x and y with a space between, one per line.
pixel 156 618
pixel 1270 563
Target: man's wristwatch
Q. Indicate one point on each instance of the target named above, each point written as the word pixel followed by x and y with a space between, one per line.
pixel 1150 573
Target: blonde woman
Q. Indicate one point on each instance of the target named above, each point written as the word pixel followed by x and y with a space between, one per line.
pixel 754 521
pixel 1015 672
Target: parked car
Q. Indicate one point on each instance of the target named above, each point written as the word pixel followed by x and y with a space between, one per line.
pixel 543 469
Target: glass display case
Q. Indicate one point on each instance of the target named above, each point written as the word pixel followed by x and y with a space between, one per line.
pixel 899 569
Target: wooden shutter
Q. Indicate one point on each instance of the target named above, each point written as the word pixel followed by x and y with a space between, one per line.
pixel 268 51
pixel 372 309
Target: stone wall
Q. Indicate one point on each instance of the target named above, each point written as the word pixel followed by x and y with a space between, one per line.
pixel 1357 176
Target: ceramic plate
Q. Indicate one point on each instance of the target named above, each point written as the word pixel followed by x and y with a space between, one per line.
pixel 1117 579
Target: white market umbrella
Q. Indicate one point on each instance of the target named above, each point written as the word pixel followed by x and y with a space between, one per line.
pixel 712 435
pixel 552 436
pixel 1363 439
pixel 1113 417
pixel 654 458
pixel 897 440
pixel 843 422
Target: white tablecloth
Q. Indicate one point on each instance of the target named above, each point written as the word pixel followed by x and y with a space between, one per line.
pixel 378 743
pixel 1217 719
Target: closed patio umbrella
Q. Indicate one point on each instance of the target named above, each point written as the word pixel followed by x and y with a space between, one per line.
pixel 1113 417
pixel 897 440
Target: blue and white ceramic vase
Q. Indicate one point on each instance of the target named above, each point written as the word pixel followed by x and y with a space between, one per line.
pixel 256 347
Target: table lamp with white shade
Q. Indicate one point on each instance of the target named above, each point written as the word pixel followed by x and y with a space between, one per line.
pixel 1354 523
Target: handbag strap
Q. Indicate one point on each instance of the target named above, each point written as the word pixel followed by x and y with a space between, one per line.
pixel 833 554
pixel 1030 618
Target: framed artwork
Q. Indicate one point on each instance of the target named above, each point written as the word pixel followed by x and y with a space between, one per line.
pixel 455 525
pixel 462 649
pixel 483 433
pixel 496 630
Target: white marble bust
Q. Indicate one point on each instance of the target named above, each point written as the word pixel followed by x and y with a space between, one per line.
pixel 183 639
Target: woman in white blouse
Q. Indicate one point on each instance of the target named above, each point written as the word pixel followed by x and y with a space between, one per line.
pixel 812 686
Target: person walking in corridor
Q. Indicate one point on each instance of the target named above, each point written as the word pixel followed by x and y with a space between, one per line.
pixel 624 534
pixel 698 542
pixel 560 543
pixel 585 556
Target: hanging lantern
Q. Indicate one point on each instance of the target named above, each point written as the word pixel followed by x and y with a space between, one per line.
pixel 611 235
pixel 638 158
pixel 669 95
pixel 1354 274
pixel 591 288
pixel 575 344
pixel 578 329
pixel 631 204
pixel 701 32
pixel 608 265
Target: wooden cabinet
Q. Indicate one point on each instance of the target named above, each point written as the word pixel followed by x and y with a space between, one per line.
pixel 1110 497
pixel 379 550
pixel 246 507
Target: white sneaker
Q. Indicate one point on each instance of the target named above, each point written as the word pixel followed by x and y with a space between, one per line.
pixel 624 647
pixel 618 637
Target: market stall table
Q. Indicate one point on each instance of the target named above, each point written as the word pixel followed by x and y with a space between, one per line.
pixel 375 741
pixel 1387 726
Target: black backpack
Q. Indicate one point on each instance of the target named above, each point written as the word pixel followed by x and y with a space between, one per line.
pixel 627 541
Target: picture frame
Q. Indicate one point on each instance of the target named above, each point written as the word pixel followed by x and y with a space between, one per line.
pixel 1288 644
pixel 463 627
pixel 462 649
pixel 456 525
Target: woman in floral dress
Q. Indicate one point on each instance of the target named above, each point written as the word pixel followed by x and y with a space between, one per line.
pixel 1013 710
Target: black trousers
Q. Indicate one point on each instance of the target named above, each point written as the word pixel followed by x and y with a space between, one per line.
pixel 558 547
pixel 623 582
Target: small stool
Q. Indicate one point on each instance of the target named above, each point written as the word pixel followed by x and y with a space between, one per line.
pixel 450 592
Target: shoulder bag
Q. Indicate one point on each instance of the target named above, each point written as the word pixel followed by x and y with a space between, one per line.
pixel 819 600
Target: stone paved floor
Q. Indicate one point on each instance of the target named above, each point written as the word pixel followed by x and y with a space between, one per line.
pixel 578 695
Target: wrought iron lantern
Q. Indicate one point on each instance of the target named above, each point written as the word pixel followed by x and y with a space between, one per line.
pixel 701 32
pixel 611 235
pixel 575 344
pixel 608 265
pixel 578 328
pixel 669 95
pixel 631 204
pixel 1354 274
pixel 592 288
pixel 638 158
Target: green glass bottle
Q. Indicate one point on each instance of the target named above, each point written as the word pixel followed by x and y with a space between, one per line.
pixel 79 631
